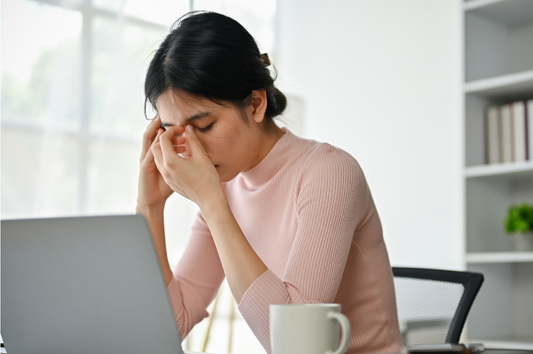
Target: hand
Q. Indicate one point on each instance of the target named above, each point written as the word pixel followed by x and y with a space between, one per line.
pixel 152 189
pixel 185 166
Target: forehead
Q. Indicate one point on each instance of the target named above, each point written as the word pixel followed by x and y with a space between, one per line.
pixel 176 106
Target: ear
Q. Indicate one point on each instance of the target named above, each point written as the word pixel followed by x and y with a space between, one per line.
pixel 259 105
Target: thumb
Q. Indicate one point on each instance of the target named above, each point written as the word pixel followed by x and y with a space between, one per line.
pixel 193 142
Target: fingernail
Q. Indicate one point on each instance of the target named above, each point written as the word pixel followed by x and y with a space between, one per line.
pixel 189 128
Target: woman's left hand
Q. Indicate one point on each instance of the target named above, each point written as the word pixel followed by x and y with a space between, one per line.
pixel 185 166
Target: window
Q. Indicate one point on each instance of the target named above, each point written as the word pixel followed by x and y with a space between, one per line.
pixel 72 112
pixel 72 117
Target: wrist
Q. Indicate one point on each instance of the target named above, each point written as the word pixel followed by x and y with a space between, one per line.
pixel 154 215
pixel 214 204
pixel 148 210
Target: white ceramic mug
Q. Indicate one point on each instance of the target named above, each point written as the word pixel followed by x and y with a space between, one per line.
pixel 308 329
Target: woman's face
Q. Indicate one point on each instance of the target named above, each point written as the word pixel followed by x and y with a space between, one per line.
pixel 232 144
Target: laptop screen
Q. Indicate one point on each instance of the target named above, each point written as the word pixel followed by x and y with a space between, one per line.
pixel 84 285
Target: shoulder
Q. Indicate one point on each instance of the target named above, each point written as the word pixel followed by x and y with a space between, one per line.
pixel 329 173
pixel 332 178
pixel 314 154
pixel 333 163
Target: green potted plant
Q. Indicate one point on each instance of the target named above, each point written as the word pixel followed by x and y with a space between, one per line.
pixel 519 222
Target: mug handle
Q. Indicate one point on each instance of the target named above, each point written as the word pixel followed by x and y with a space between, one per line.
pixel 346 329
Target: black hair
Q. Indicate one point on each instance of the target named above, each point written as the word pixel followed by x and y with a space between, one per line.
pixel 212 55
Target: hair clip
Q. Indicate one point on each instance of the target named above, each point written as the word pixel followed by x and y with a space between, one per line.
pixel 265 58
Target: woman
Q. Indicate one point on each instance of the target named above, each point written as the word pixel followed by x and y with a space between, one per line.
pixel 284 219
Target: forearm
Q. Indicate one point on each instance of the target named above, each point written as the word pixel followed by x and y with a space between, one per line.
pixel 242 266
pixel 155 219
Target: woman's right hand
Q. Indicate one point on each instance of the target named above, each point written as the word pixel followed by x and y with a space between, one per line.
pixel 152 189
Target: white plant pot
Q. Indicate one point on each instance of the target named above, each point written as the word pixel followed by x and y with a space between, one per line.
pixel 524 242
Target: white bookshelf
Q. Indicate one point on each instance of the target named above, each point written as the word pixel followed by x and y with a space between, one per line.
pixel 507 170
pixel 507 12
pixel 510 85
pixel 498 70
pixel 498 257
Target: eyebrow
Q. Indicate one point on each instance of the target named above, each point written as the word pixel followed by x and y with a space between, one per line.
pixel 190 119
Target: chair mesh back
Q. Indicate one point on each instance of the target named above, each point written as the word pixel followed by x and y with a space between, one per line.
pixel 426 309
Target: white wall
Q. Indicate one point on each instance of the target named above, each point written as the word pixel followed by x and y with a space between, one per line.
pixel 382 79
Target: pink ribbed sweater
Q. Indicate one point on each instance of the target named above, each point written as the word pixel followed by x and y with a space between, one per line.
pixel 307 211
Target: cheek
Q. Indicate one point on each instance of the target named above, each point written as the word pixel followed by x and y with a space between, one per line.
pixel 225 142
pixel 220 143
pixel 212 146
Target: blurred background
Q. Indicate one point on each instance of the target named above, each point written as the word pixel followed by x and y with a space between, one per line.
pixel 381 79
pixel 72 113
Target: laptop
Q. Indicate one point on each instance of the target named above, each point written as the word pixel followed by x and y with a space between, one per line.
pixel 84 285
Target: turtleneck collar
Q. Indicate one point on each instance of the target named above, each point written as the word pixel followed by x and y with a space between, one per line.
pixel 272 163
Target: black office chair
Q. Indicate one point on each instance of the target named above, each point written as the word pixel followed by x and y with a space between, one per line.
pixel 433 304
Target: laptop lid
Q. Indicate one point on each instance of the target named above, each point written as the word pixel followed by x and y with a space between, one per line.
pixel 84 285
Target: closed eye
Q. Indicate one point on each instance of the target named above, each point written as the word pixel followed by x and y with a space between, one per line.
pixel 205 129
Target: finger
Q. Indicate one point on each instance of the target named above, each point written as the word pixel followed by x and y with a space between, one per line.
pixel 167 148
pixel 149 156
pixel 155 151
pixel 178 140
pixel 175 130
pixel 175 134
pixel 179 149
pixel 193 142
pixel 178 143
pixel 149 135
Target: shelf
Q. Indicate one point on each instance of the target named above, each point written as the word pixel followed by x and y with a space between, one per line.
pixel 499 257
pixel 514 170
pixel 498 70
pixel 505 87
pixel 512 344
pixel 507 12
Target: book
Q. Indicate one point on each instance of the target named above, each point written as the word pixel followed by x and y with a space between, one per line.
pixel 529 129
pixel 507 132
pixel 492 139
pixel 520 133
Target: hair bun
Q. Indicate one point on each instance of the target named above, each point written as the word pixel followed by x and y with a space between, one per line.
pixel 277 102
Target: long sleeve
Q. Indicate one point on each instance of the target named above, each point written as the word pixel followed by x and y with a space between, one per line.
pixel 196 279
pixel 331 199
pixel 308 213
